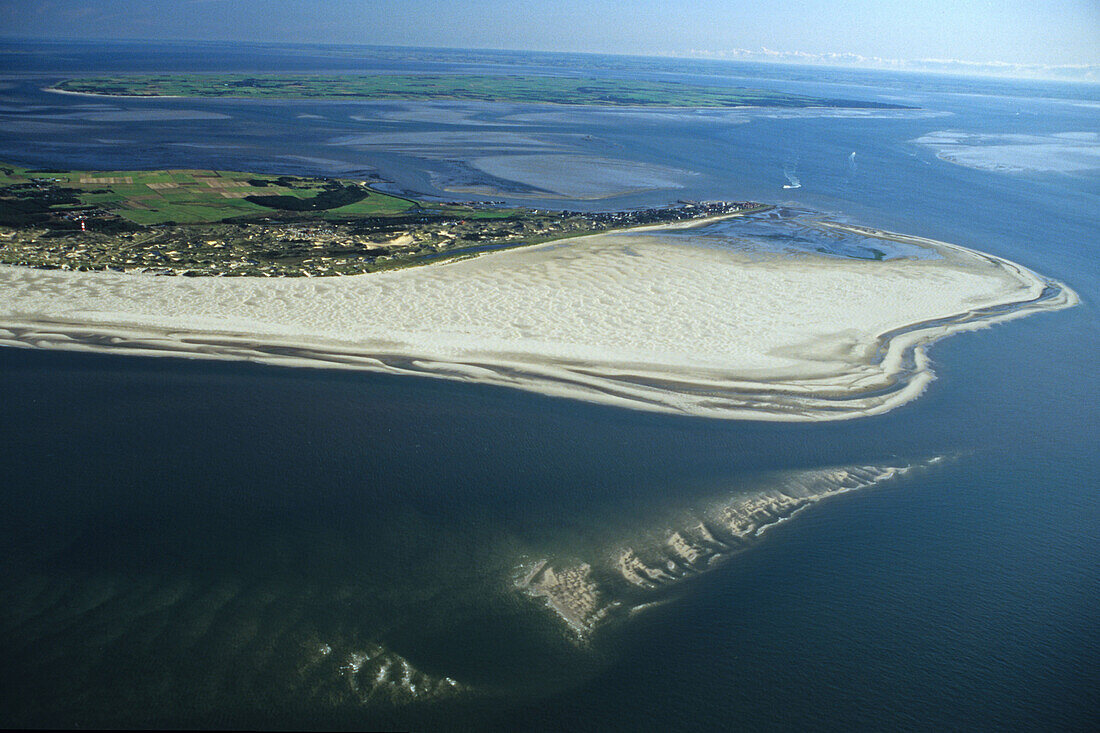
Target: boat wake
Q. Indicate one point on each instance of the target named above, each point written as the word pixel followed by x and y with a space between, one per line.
pixel 792 179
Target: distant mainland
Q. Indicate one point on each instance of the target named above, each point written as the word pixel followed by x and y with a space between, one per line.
pixel 456 87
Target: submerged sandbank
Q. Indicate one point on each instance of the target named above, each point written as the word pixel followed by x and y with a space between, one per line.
pixel 637 573
pixel 630 319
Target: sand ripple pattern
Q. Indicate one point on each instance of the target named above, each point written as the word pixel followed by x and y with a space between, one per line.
pixel 635 321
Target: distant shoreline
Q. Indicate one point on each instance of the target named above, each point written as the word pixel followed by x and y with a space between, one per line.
pixel 456 100
pixel 429 87
pixel 55 90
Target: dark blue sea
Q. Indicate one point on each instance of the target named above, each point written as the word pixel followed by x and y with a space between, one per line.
pixel 189 543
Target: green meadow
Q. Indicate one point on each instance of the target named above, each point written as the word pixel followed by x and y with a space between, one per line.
pixel 191 196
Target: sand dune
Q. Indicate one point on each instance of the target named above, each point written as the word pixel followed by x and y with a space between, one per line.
pixel 628 319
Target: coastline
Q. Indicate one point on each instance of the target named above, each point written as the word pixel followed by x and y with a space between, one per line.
pixel 54 90
pixel 456 100
pixel 780 376
pixel 459 100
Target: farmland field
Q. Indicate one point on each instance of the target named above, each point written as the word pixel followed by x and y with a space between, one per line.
pixel 187 196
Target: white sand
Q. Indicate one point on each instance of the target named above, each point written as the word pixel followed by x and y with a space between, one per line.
pixel 1064 152
pixel 622 319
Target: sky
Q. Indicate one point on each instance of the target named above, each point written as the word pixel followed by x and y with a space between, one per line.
pixel 974 34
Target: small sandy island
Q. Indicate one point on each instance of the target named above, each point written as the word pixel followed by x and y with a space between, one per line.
pixel 670 322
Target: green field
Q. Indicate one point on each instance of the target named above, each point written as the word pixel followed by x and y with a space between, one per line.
pixel 185 196
pixel 537 89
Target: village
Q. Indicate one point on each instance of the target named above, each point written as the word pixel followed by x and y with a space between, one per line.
pixel 311 247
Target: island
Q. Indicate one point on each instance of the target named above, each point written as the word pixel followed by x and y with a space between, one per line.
pixel 728 310
pixel 567 90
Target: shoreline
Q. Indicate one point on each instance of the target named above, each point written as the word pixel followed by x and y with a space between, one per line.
pixel 54 90
pixel 361 100
pixel 827 380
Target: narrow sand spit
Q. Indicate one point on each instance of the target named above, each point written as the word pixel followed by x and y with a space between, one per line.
pixel 626 319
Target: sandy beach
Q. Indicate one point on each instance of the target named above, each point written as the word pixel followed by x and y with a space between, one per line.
pixel 629 319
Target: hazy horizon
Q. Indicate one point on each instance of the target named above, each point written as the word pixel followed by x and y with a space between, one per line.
pixel 1019 39
pixel 1085 74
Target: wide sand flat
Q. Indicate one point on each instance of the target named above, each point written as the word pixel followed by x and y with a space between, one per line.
pixel 627 319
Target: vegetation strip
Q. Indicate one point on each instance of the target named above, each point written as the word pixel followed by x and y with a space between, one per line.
pixel 531 89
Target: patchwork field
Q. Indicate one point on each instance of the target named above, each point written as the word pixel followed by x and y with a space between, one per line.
pixel 183 196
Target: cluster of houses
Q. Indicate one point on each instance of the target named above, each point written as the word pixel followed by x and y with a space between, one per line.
pixel 273 248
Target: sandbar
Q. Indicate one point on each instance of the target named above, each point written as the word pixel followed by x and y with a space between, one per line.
pixel 638 573
pixel 631 319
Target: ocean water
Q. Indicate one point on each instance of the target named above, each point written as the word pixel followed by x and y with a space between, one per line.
pixel 191 543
